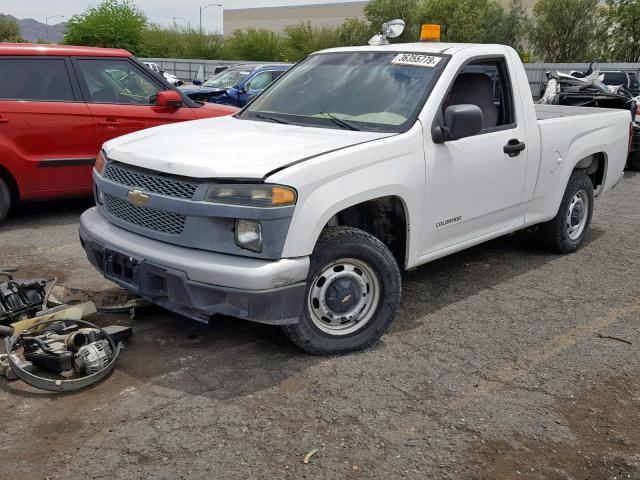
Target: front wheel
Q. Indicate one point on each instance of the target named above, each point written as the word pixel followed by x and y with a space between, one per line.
pixel 353 293
pixel 568 230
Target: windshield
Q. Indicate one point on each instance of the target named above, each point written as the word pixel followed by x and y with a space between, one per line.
pixel 226 79
pixel 373 91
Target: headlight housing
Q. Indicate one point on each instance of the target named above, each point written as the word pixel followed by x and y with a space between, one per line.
pixel 101 162
pixel 252 195
pixel 249 235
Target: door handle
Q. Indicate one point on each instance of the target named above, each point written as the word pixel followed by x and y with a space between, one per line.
pixel 514 147
pixel 4 120
pixel 109 123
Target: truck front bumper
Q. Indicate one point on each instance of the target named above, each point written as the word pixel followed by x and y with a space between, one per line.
pixel 196 283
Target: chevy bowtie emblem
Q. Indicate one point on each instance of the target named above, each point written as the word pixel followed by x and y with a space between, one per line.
pixel 137 197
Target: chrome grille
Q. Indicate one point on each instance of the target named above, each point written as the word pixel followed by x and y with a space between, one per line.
pixel 170 187
pixel 146 217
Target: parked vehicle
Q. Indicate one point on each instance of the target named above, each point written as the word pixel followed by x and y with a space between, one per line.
pixel 303 209
pixel 236 85
pixel 628 80
pixel 59 104
pixel 169 77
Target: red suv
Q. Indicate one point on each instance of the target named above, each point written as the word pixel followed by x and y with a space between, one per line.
pixel 59 104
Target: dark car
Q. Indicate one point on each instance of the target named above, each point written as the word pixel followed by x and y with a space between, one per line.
pixel 629 80
pixel 236 85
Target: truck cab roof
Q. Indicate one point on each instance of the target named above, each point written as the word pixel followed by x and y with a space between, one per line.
pixel 417 47
pixel 33 49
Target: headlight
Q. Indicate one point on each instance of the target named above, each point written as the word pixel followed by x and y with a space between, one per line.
pixel 100 163
pixel 249 235
pixel 258 195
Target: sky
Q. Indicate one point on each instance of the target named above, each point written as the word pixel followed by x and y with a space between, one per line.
pixel 158 11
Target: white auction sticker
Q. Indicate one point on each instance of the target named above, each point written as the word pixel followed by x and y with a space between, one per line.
pixel 416 60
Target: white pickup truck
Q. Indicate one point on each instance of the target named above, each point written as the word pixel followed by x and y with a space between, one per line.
pixel 303 209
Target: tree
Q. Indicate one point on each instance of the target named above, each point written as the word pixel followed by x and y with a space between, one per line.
pixel 620 31
pixel 113 23
pixel 379 11
pixel 9 29
pixel 475 21
pixel 564 30
pixel 254 45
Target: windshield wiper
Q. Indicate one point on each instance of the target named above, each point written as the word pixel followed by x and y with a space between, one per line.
pixel 340 122
pixel 262 116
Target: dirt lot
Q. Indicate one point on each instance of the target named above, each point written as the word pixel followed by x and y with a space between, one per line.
pixel 495 369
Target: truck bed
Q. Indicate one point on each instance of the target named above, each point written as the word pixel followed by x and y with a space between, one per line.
pixel 546 112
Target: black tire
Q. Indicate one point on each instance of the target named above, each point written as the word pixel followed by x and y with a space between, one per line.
pixel 5 199
pixel 633 163
pixel 555 234
pixel 348 244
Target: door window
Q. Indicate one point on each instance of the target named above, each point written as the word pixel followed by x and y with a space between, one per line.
pixel 260 81
pixel 39 79
pixel 117 81
pixel 485 83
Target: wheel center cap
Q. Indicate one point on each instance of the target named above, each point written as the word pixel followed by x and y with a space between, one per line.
pixel 342 295
pixel 576 215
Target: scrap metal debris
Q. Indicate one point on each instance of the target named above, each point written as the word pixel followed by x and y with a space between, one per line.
pixel 55 348
pixel 308 456
pixel 80 352
pixel 21 299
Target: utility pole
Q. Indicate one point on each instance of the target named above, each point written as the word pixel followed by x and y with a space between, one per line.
pixel 47 23
pixel 204 8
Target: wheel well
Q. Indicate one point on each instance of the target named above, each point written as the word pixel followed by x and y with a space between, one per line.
pixel 11 183
pixel 384 218
pixel 595 167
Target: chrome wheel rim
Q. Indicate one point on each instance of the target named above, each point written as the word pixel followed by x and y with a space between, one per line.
pixel 577 215
pixel 343 296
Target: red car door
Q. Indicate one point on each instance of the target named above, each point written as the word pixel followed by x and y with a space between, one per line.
pixel 121 97
pixel 47 137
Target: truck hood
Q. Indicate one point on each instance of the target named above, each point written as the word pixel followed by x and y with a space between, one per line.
pixel 227 147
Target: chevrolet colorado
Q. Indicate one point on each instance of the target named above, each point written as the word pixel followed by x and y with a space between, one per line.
pixel 302 209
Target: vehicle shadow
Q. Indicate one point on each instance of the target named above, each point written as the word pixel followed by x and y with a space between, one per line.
pixel 232 358
pixel 45 213
pixel 454 278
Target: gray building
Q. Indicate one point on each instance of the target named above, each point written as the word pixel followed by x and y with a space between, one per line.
pixel 321 14
pixel 276 18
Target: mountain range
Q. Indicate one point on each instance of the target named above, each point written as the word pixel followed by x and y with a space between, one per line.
pixel 32 30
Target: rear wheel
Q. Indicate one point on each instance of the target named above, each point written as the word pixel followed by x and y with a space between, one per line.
pixel 5 199
pixel 567 231
pixel 353 293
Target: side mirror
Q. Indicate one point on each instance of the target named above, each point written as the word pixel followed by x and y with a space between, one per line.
pixel 197 82
pixel 460 121
pixel 169 99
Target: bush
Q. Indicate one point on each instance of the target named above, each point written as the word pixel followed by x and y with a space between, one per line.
pixel 253 44
pixel 176 42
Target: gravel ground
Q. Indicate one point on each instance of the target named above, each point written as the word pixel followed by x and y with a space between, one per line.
pixel 496 368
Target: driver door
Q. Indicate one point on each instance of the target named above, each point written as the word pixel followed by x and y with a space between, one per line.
pixel 121 97
pixel 474 188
